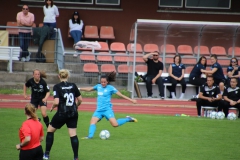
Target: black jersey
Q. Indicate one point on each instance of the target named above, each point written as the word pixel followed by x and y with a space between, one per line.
pixel 67 93
pixel 210 92
pixel 153 68
pixel 232 93
pixel 196 71
pixel 38 90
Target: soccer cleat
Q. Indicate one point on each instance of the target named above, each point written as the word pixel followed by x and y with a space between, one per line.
pixel 132 119
pixel 86 137
pixel 162 98
pixel 75 159
pixel 45 157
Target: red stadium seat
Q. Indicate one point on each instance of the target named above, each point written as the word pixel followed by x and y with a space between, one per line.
pixel 107 68
pixel 150 48
pixel 91 32
pixel 120 58
pixel 40 24
pixel 189 61
pixel 218 50
pixel 118 47
pixel 104 57
pixel 141 68
pixel 184 50
pixel 12 31
pixel 90 69
pixel 138 59
pixel 236 51
pixel 123 69
pixel 130 48
pixel 204 50
pixel 104 47
pixel 169 49
pixel 87 57
pixel 106 32
pixel 188 69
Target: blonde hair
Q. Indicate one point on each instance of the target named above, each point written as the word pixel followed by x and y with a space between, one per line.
pixel 42 73
pixel 64 73
pixel 30 111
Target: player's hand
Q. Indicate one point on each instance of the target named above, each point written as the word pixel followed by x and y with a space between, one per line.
pixel 134 101
pixel 153 81
pixel 18 147
pixel 51 108
pixel 209 99
pixel 25 96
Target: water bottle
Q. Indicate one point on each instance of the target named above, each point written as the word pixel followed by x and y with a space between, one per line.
pixel 177 115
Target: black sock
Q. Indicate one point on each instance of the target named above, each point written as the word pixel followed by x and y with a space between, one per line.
pixel 46 120
pixel 75 145
pixel 49 142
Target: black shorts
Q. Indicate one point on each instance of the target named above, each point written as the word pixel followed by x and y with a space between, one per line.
pixel 59 120
pixel 31 154
pixel 39 103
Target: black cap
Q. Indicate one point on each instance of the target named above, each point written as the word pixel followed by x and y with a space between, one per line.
pixel 75 13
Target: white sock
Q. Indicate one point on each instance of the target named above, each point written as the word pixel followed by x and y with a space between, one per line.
pixel 182 95
pixel 173 95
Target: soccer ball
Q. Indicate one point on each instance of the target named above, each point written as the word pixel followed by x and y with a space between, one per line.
pixel 232 116
pixel 213 115
pixel 220 115
pixel 104 134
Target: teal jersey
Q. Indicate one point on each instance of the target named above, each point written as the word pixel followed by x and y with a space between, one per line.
pixel 104 96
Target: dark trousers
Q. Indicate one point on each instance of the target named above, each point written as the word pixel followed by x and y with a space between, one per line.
pixel 197 82
pixel 31 154
pixel 226 105
pixel 202 102
pixel 159 82
pixel 53 25
pixel 174 84
pixel 24 39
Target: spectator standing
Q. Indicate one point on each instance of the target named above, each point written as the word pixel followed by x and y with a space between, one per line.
pixel 196 77
pixel 67 98
pixel 231 96
pixel 209 95
pixel 154 72
pixel 233 71
pixel 30 135
pixel 176 73
pixel 50 13
pixel 25 19
pixel 75 26
pixel 39 93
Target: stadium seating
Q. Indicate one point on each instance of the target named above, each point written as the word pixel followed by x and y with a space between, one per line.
pixel 86 57
pixel 138 59
pixel 204 51
pixel 117 47
pixel 90 69
pixel 40 24
pixel 141 68
pixel 120 58
pixel 104 47
pixel 12 31
pixel 185 50
pixel 123 70
pixel 130 48
pixel 218 50
pixel 106 32
pixel 91 32
pixel 104 57
pixel 107 68
pixel 236 51
pixel 188 69
pixel 169 49
pixel 189 61
pixel 150 47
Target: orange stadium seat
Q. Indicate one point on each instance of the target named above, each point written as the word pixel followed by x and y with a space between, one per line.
pixel 87 57
pixel 138 59
pixel 40 24
pixel 104 47
pixel 91 32
pixel 189 61
pixel 141 68
pixel 218 50
pixel 13 31
pixel 106 32
pixel 104 57
pixel 117 47
pixel 236 51
pixel 120 58
pixel 150 47
pixel 123 69
pixel 170 49
pixel 188 69
pixel 130 48
pixel 90 69
pixel 204 50
pixel 185 50
pixel 107 68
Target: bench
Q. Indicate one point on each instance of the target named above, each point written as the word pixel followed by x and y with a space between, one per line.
pixel 10 54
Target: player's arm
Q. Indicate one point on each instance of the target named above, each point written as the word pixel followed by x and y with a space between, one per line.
pixel 145 57
pixel 125 97
pixel 79 100
pixel 24 91
pixel 24 143
pixel 55 103
pixel 86 89
pixel 201 96
pixel 210 72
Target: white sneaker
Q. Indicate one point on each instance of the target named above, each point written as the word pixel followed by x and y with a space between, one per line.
pixel 173 95
pixel 182 95
pixel 149 96
pixel 28 57
pixel 23 59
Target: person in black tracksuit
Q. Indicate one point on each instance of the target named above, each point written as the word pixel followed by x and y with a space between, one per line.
pixel 154 72
pixel 67 98
pixel 231 97
pixel 176 74
pixel 209 95
pixel 39 93
pixel 196 77
pixel 233 71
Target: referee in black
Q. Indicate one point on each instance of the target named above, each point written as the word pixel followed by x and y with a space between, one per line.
pixel 209 95
pixel 231 96
pixel 67 98
pixel 39 93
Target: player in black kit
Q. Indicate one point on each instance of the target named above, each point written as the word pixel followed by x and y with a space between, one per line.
pixel 67 98
pixel 209 95
pixel 39 93
pixel 231 96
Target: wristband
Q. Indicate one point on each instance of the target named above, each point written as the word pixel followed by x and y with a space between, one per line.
pixel 20 145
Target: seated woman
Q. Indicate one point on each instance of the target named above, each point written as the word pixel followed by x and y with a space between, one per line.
pixel 196 77
pixel 233 71
pixel 217 73
pixel 176 73
pixel 75 26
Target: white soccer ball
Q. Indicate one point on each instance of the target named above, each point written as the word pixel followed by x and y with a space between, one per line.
pixel 104 134
pixel 220 115
pixel 232 116
pixel 213 115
